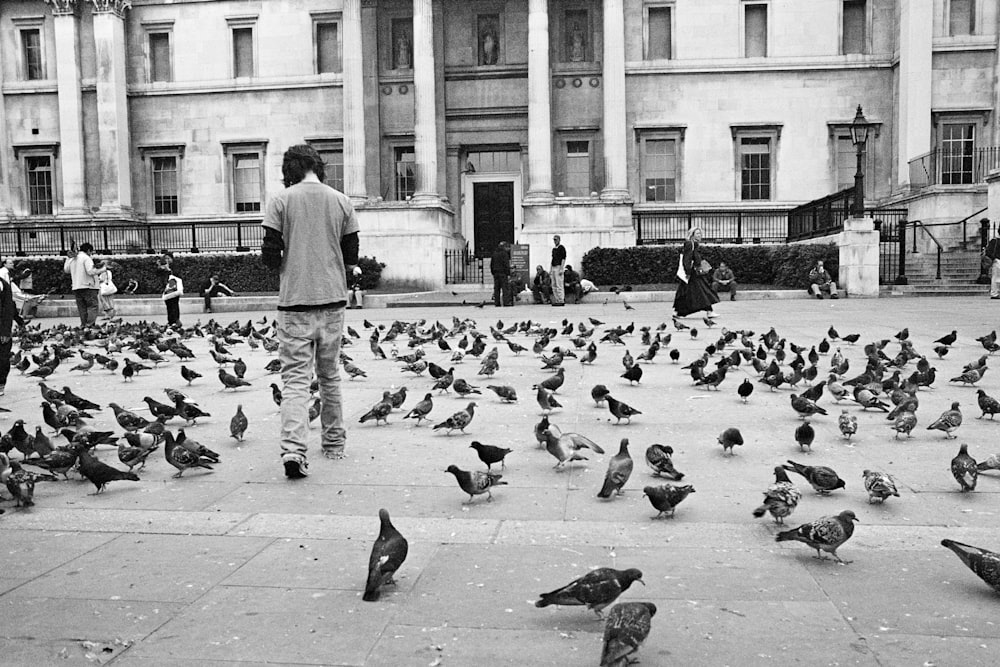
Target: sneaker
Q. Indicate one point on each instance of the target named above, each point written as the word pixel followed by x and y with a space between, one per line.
pixel 834 296
pixel 295 469
pixel 335 454
pixel 819 296
pixel 992 297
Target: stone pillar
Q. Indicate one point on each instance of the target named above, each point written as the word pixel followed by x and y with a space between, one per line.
pixel 539 105
pixel 613 129
pixel 372 103
pixel 916 21
pixel 112 105
pixel 859 258
pixel 70 96
pixel 354 104
pixel 424 104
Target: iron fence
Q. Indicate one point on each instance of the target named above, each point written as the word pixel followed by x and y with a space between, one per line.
pixel 820 217
pixel 717 225
pixel 954 167
pixel 117 238
pixel 463 267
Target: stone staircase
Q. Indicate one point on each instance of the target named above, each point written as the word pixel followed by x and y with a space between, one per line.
pixel 959 271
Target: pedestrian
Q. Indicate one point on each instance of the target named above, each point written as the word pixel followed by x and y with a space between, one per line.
pixel 106 291
pixel 171 296
pixel 541 286
pixel 694 292
pixel 80 266
pixel 214 287
pixel 556 271
pixel 27 304
pixel 8 315
pixel 311 237
pixel 820 282
pixel 723 280
pixel 571 284
pixel 355 295
pixel 992 254
pixel 500 268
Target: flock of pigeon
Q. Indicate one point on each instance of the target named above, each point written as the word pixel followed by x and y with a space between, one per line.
pixel 886 384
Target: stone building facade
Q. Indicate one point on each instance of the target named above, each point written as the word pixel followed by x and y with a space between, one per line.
pixel 473 121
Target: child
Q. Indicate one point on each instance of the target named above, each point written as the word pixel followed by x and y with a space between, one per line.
pixel 355 295
pixel 106 291
pixel 172 298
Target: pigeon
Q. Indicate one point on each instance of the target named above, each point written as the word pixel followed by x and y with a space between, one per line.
pixel 866 398
pixel 949 339
pixel 596 590
pixel 599 393
pixel 730 438
pixel 506 393
pixel 666 497
pixel 181 457
pixel 971 376
pixel 805 407
pixel 620 410
pixel 230 381
pixel 565 446
pixel 781 498
pixel 161 411
pixel 276 394
pixel 273 366
pixel 827 533
pixel 879 486
pixel 847 423
pixel 949 420
pixel 354 371
pixel 804 435
pixel 964 469
pixel 625 630
pixel 546 401
pixel 460 420
pixel 553 382
pixel 633 374
pixel 78 402
pixel 904 423
pixel 388 553
pixel 238 424
pixel 989 405
pixel 851 338
pixel 379 412
pixel 476 482
pixel 99 473
pixel 991 462
pixel 985 564
pixel 463 388
pixel 421 409
pixel 745 389
pixel 821 478
pixel 239 368
pixel 619 470
pixel 127 419
pixel 659 458
pixel 903 334
pixel 444 382
pixel 490 454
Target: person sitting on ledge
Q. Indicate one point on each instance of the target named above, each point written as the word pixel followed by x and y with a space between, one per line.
pixel 571 284
pixel 541 287
pixel 213 287
pixel 820 282
pixel 723 280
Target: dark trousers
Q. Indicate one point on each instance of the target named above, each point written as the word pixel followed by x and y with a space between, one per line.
pixel 215 291
pixel 173 310
pixel 501 291
pixel 86 306
pixel 731 288
pixel 6 344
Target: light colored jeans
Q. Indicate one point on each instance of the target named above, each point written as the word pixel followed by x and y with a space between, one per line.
pixel 995 278
pixel 310 343
pixel 558 287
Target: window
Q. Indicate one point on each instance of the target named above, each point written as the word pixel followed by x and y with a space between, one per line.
pixel 31 46
pixel 755 168
pixel 243 60
pixel 853 28
pixel 659 33
pixel 38 170
pixel 659 169
pixel 754 30
pixel 164 181
pixel 327 47
pixel 961 17
pixel 577 169
pixel 489 161
pixel 957 144
pixel 246 182
pixel 159 57
pixel 406 172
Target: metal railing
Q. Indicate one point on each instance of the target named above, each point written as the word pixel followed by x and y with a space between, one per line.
pixel 132 238
pixel 717 225
pixel 890 223
pixel 820 217
pixel 940 167
pixel 463 267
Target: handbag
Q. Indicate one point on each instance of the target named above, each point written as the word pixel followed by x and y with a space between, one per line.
pixel 108 287
pixel 704 268
pixel 681 273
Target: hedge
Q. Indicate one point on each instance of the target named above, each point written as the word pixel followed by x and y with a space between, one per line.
pixel 243 272
pixel 778 265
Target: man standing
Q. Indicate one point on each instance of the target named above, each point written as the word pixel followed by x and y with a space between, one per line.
pixel 80 266
pixel 500 268
pixel 311 237
pixel 992 253
pixel 723 280
pixel 556 272
pixel 8 315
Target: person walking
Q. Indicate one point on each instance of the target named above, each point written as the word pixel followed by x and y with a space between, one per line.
pixel 106 292
pixel 558 266
pixel 992 254
pixel 693 291
pixel 171 296
pixel 214 287
pixel 8 315
pixel 80 266
pixel 500 268
pixel 311 238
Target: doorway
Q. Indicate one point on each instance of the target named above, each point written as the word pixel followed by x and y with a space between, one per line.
pixel 493 215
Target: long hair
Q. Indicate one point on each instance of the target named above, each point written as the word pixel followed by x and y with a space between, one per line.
pixel 692 232
pixel 298 160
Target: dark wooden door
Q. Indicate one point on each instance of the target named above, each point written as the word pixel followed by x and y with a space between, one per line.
pixel 493 214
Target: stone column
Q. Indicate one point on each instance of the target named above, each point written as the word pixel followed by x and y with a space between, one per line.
pixel 424 104
pixel 369 67
pixel 613 129
pixel 112 105
pixel 916 21
pixel 539 105
pixel 70 96
pixel 354 104
pixel 859 258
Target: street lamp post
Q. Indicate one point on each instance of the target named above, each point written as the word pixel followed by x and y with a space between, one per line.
pixel 859 137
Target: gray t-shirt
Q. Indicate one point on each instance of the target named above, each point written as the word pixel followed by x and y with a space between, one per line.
pixel 312 218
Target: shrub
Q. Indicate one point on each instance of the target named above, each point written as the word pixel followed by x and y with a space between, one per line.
pixel 371 272
pixel 778 265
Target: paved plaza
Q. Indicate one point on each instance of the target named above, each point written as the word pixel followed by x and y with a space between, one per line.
pixel 241 566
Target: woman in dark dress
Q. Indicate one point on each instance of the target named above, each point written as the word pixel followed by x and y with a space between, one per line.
pixel 694 292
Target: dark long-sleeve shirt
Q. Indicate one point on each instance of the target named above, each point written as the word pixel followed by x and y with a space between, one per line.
pixel 558 255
